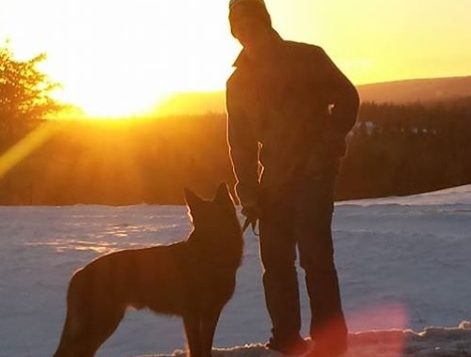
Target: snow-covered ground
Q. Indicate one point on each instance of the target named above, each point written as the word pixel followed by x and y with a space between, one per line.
pixel 404 263
pixel 433 342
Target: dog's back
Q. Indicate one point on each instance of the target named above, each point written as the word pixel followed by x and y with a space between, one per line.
pixel 193 279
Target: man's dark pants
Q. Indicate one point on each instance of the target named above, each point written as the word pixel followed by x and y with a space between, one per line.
pixel 300 214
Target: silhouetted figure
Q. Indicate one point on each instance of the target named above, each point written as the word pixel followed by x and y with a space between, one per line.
pixel 292 102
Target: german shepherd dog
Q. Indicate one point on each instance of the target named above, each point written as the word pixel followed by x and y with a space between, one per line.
pixel 193 279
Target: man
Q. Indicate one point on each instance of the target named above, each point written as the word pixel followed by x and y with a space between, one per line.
pixel 290 108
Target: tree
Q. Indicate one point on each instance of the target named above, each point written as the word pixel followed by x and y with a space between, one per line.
pixel 25 92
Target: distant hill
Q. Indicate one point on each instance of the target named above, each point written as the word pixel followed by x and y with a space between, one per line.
pixel 424 90
pixel 405 91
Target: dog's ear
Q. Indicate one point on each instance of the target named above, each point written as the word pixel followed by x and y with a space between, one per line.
pixel 192 199
pixel 222 195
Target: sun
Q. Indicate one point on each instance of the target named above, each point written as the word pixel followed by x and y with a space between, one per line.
pixel 108 102
pixel 121 58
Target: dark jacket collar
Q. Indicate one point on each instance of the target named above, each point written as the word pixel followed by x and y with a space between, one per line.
pixel 242 59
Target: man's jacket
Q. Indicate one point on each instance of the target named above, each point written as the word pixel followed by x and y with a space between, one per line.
pixel 296 109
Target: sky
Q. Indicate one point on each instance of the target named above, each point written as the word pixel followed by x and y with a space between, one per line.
pixel 120 57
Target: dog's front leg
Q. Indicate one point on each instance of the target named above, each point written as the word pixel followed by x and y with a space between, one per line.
pixel 192 331
pixel 208 327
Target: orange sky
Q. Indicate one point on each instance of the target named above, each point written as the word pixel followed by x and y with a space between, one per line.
pixel 120 57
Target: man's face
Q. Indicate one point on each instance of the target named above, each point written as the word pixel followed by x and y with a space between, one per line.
pixel 249 29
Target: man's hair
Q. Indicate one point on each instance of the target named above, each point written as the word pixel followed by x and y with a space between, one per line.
pixel 233 3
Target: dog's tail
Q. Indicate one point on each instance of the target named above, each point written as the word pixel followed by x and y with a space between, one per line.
pixel 66 343
pixel 63 350
pixel 74 330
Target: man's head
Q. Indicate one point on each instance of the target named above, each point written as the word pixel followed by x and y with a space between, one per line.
pixel 250 23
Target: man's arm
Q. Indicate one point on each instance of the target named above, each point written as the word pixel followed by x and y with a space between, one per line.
pixel 343 97
pixel 243 149
pixel 341 93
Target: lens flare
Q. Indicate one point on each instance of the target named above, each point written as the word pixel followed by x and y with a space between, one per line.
pixel 385 326
pixel 26 146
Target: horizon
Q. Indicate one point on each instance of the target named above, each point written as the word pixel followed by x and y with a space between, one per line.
pixel 183 103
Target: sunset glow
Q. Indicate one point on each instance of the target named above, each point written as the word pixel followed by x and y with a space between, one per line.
pixel 123 57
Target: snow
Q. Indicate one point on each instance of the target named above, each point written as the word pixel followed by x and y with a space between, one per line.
pixel 403 264
pixel 460 195
pixel 433 342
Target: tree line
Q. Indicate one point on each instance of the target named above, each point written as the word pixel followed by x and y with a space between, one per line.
pixel 409 149
pixel 150 161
